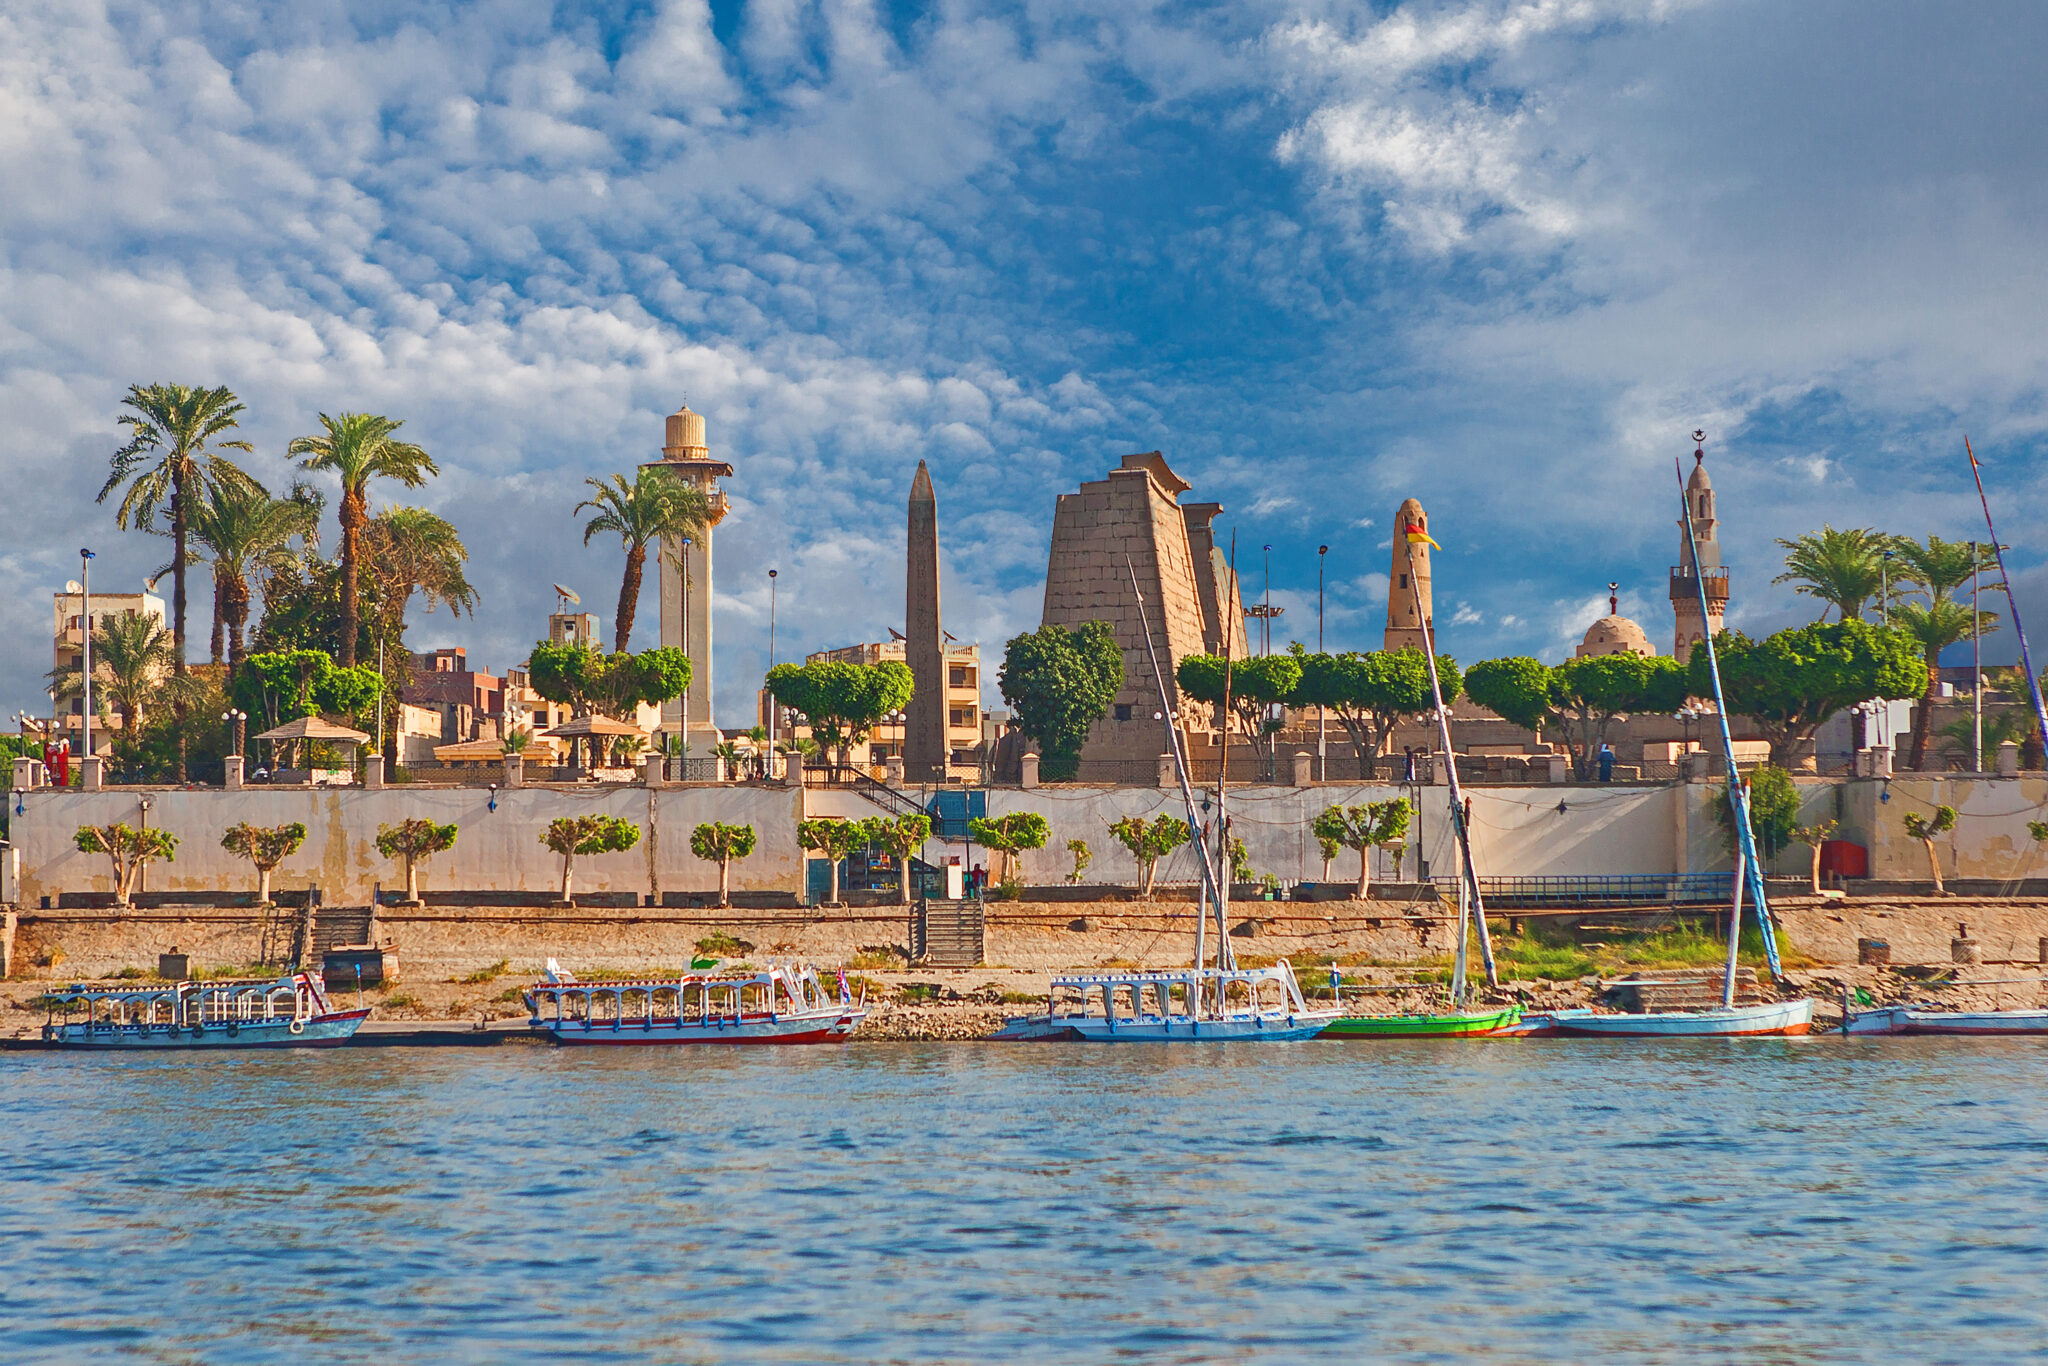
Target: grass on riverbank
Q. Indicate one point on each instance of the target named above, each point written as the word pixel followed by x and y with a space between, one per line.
pixel 1551 953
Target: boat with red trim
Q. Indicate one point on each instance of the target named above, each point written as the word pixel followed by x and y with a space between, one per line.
pixel 779 1004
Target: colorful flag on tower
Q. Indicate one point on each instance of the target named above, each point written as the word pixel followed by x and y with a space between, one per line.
pixel 1419 535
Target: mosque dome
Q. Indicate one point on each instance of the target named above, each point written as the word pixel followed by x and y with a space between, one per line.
pixel 1614 635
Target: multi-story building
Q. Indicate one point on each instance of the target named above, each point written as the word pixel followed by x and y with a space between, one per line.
pixel 69 631
pixel 471 702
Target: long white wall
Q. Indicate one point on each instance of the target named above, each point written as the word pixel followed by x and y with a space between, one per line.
pixel 495 850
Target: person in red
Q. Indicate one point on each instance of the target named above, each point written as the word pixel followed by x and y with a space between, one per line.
pixel 61 769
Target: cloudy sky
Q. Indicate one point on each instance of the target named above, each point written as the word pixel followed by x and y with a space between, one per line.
pixel 1501 255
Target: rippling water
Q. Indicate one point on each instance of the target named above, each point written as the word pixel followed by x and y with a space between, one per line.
pixel 1764 1200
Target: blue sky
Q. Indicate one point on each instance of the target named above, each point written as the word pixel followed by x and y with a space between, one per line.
pixel 1499 256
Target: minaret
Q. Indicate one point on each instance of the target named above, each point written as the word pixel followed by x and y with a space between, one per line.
pixel 686 580
pixel 1685 599
pixel 924 727
pixel 1410 574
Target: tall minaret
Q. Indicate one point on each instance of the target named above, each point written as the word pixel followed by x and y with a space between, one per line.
pixel 1409 575
pixel 1685 599
pixel 686 578
pixel 924 649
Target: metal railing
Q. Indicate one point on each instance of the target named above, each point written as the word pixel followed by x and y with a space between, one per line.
pixel 1600 889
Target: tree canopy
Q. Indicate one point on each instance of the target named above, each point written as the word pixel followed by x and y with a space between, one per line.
pixel 588 680
pixel 1254 685
pixel 1372 692
pixel 1060 682
pixel 842 702
pixel 1580 698
pixel 1789 683
pixel 282 685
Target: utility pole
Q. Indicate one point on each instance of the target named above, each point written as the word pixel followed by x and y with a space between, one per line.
pixel 1976 671
pixel 1322 711
pixel 85 558
pixel 772 708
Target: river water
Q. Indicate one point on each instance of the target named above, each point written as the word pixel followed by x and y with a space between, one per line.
pixel 1515 1200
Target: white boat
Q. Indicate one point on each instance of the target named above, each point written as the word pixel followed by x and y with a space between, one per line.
pixel 1209 1005
pixel 779 1004
pixel 1723 1022
pixel 291 1011
pixel 1907 1019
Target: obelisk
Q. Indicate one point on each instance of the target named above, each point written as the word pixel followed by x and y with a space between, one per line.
pixel 924 728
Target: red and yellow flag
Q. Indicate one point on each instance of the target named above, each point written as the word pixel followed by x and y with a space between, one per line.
pixel 1419 535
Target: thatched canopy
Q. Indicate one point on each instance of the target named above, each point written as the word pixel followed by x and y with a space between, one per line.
pixel 590 725
pixel 315 728
pixel 489 751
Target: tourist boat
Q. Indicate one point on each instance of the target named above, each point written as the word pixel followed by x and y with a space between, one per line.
pixel 291 1011
pixel 1727 1022
pixel 779 1004
pixel 1204 1004
pixel 1909 1019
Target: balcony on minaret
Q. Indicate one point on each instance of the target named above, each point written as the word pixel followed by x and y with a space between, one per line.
pixel 1685 584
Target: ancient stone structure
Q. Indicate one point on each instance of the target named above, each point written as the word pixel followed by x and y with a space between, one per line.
pixel 1408 579
pixel 924 734
pixel 1692 627
pixel 1615 634
pixel 1133 521
pixel 686 580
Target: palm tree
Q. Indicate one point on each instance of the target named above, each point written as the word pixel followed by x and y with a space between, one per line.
pixel 413 551
pixel 1936 624
pixel 248 531
pixel 1844 569
pixel 172 454
pixel 655 506
pixel 1939 567
pixel 358 447
pixel 130 654
pixel 2006 723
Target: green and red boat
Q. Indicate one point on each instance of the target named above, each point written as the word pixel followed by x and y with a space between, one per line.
pixel 1448 1024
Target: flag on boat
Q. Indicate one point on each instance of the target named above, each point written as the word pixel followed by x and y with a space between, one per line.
pixel 1419 535
pixel 845 994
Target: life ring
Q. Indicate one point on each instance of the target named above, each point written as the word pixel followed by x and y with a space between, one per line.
pixel 298 1026
pixel 233 1029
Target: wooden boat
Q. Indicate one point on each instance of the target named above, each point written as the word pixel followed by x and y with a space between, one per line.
pixel 1450 1024
pixel 1194 1004
pixel 291 1011
pixel 778 1005
pixel 1907 1019
pixel 1725 1022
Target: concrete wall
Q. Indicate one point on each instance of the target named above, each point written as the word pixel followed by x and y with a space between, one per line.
pixel 1990 838
pixel 495 851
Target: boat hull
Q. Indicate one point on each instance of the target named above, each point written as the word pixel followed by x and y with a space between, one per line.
pixel 640 1033
pixel 1073 1029
pixel 1456 1024
pixel 322 1031
pixel 1772 1018
pixel 1906 1020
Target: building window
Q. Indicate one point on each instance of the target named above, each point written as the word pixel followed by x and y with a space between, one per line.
pixel 1404 581
pixel 1123 711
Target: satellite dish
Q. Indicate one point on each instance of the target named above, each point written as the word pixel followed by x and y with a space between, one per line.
pixel 568 595
pixel 73 586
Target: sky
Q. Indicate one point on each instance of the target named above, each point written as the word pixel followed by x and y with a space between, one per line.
pixel 1499 255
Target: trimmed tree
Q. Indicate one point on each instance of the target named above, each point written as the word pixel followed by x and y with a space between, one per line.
pixel 1371 693
pixel 1580 698
pixel 411 842
pixel 717 842
pixel 1365 827
pixel 1061 682
pixel 1009 835
pixel 1813 837
pixel 129 849
pixel 1927 830
pixel 1254 686
pixel 1083 856
pixel 1791 682
pixel 900 838
pixel 1773 812
pixel 266 846
pixel 573 835
pixel 1150 843
pixel 835 839
pixel 842 702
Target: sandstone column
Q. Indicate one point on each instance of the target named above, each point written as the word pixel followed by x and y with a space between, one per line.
pixel 924 729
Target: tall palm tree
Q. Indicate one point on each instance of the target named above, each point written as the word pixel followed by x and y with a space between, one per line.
pixel 411 550
pixel 176 432
pixel 1939 567
pixel 249 532
pixel 359 447
pixel 1844 569
pixel 131 653
pixel 655 506
pixel 1936 624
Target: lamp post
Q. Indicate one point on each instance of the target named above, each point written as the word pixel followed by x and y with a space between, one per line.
pixel 85 558
pixel 686 649
pixel 240 720
pixel 1884 590
pixel 1322 711
pixel 1266 627
pixel 771 658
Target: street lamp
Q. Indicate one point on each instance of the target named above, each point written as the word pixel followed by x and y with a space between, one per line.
pixel 1322 712
pixel 1884 591
pixel 771 657
pixel 85 558
pixel 1267 647
pixel 240 720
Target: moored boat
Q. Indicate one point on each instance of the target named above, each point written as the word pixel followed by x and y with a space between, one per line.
pixel 1192 1004
pixel 1907 1019
pixel 1448 1024
pixel 779 1004
pixel 291 1011
pixel 1771 1017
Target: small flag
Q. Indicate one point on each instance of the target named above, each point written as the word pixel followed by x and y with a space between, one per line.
pixel 1419 535
pixel 1973 454
pixel 845 995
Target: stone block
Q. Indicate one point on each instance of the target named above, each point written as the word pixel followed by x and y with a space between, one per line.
pixel 92 773
pixel 2008 759
pixel 515 770
pixel 28 774
pixel 1303 762
pixel 1029 765
pixel 654 770
pixel 1168 776
pixel 231 777
pixel 373 773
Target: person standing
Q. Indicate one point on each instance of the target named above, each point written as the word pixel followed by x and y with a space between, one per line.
pixel 1606 762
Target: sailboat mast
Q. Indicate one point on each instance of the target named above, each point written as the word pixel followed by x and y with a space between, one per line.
pixel 1226 866
pixel 1746 860
pixel 2026 660
pixel 1468 877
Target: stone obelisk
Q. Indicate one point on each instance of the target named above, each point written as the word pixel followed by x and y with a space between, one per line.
pixel 924 729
